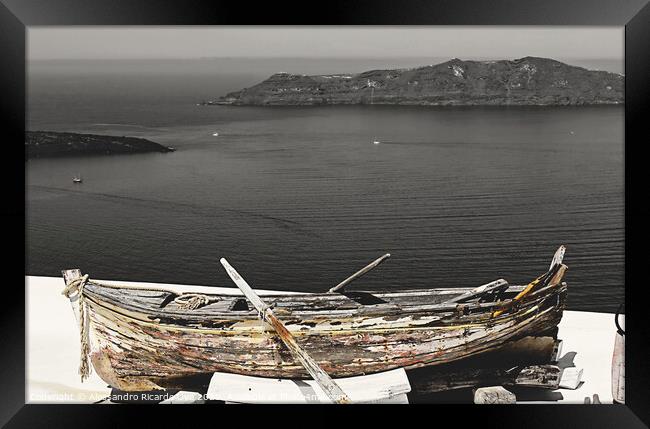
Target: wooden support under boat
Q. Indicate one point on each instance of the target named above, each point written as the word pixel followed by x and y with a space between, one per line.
pixel 324 381
pixel 527 362
pixel 389 386
pixel 571 378
pixel 494 395
pixel 538 376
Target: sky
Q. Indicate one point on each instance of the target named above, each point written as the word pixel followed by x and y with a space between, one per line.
pixel 501 42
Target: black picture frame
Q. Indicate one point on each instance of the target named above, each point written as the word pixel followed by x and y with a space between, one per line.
pixel 16 15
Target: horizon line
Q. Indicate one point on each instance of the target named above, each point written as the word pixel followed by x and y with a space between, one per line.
pixel 356 57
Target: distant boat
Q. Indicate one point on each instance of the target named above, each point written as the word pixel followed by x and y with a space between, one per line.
pixel 376 141
pixel 77 179
pixel 215 134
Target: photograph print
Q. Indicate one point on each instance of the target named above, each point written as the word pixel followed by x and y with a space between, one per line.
pixel 325 214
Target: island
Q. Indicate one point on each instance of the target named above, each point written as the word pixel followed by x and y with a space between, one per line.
pixel 46 144
pixel 525 81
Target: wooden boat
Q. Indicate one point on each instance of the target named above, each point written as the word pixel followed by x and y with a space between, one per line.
pixel 145 338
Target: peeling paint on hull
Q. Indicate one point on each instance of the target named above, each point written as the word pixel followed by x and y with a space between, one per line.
pixel 141 339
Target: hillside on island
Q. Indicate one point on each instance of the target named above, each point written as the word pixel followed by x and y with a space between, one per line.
pixel 45 144
pixel 525 81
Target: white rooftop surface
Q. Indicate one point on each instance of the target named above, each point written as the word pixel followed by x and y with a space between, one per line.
pixel 52 355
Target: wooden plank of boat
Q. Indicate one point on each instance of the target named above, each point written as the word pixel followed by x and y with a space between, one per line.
pixel 359 273
pixel 558 257
pixel 550 278
pixel 303 305
pixel 324 381
pixel 390 386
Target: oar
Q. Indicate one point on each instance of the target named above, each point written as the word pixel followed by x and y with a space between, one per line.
pixel 478 291
pixel 359 273
pixel 331 389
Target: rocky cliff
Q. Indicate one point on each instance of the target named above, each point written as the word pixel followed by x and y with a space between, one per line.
pixel 526 81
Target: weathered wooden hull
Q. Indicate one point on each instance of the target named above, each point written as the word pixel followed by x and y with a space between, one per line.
pixel 142 339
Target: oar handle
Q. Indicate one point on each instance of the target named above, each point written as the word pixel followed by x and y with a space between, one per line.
pixel 324 381
pixel 359 273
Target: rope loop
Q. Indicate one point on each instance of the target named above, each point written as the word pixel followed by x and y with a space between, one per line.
pixel 191 301
pixel 76 285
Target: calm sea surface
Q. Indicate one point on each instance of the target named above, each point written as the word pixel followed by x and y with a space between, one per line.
pixel 299 198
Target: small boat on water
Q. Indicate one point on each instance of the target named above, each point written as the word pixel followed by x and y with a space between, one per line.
pixel 77 179
pixel 145 337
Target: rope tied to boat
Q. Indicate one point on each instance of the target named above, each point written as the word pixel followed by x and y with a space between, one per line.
pixel 77 285
pixel 187 301
pixel 191 301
